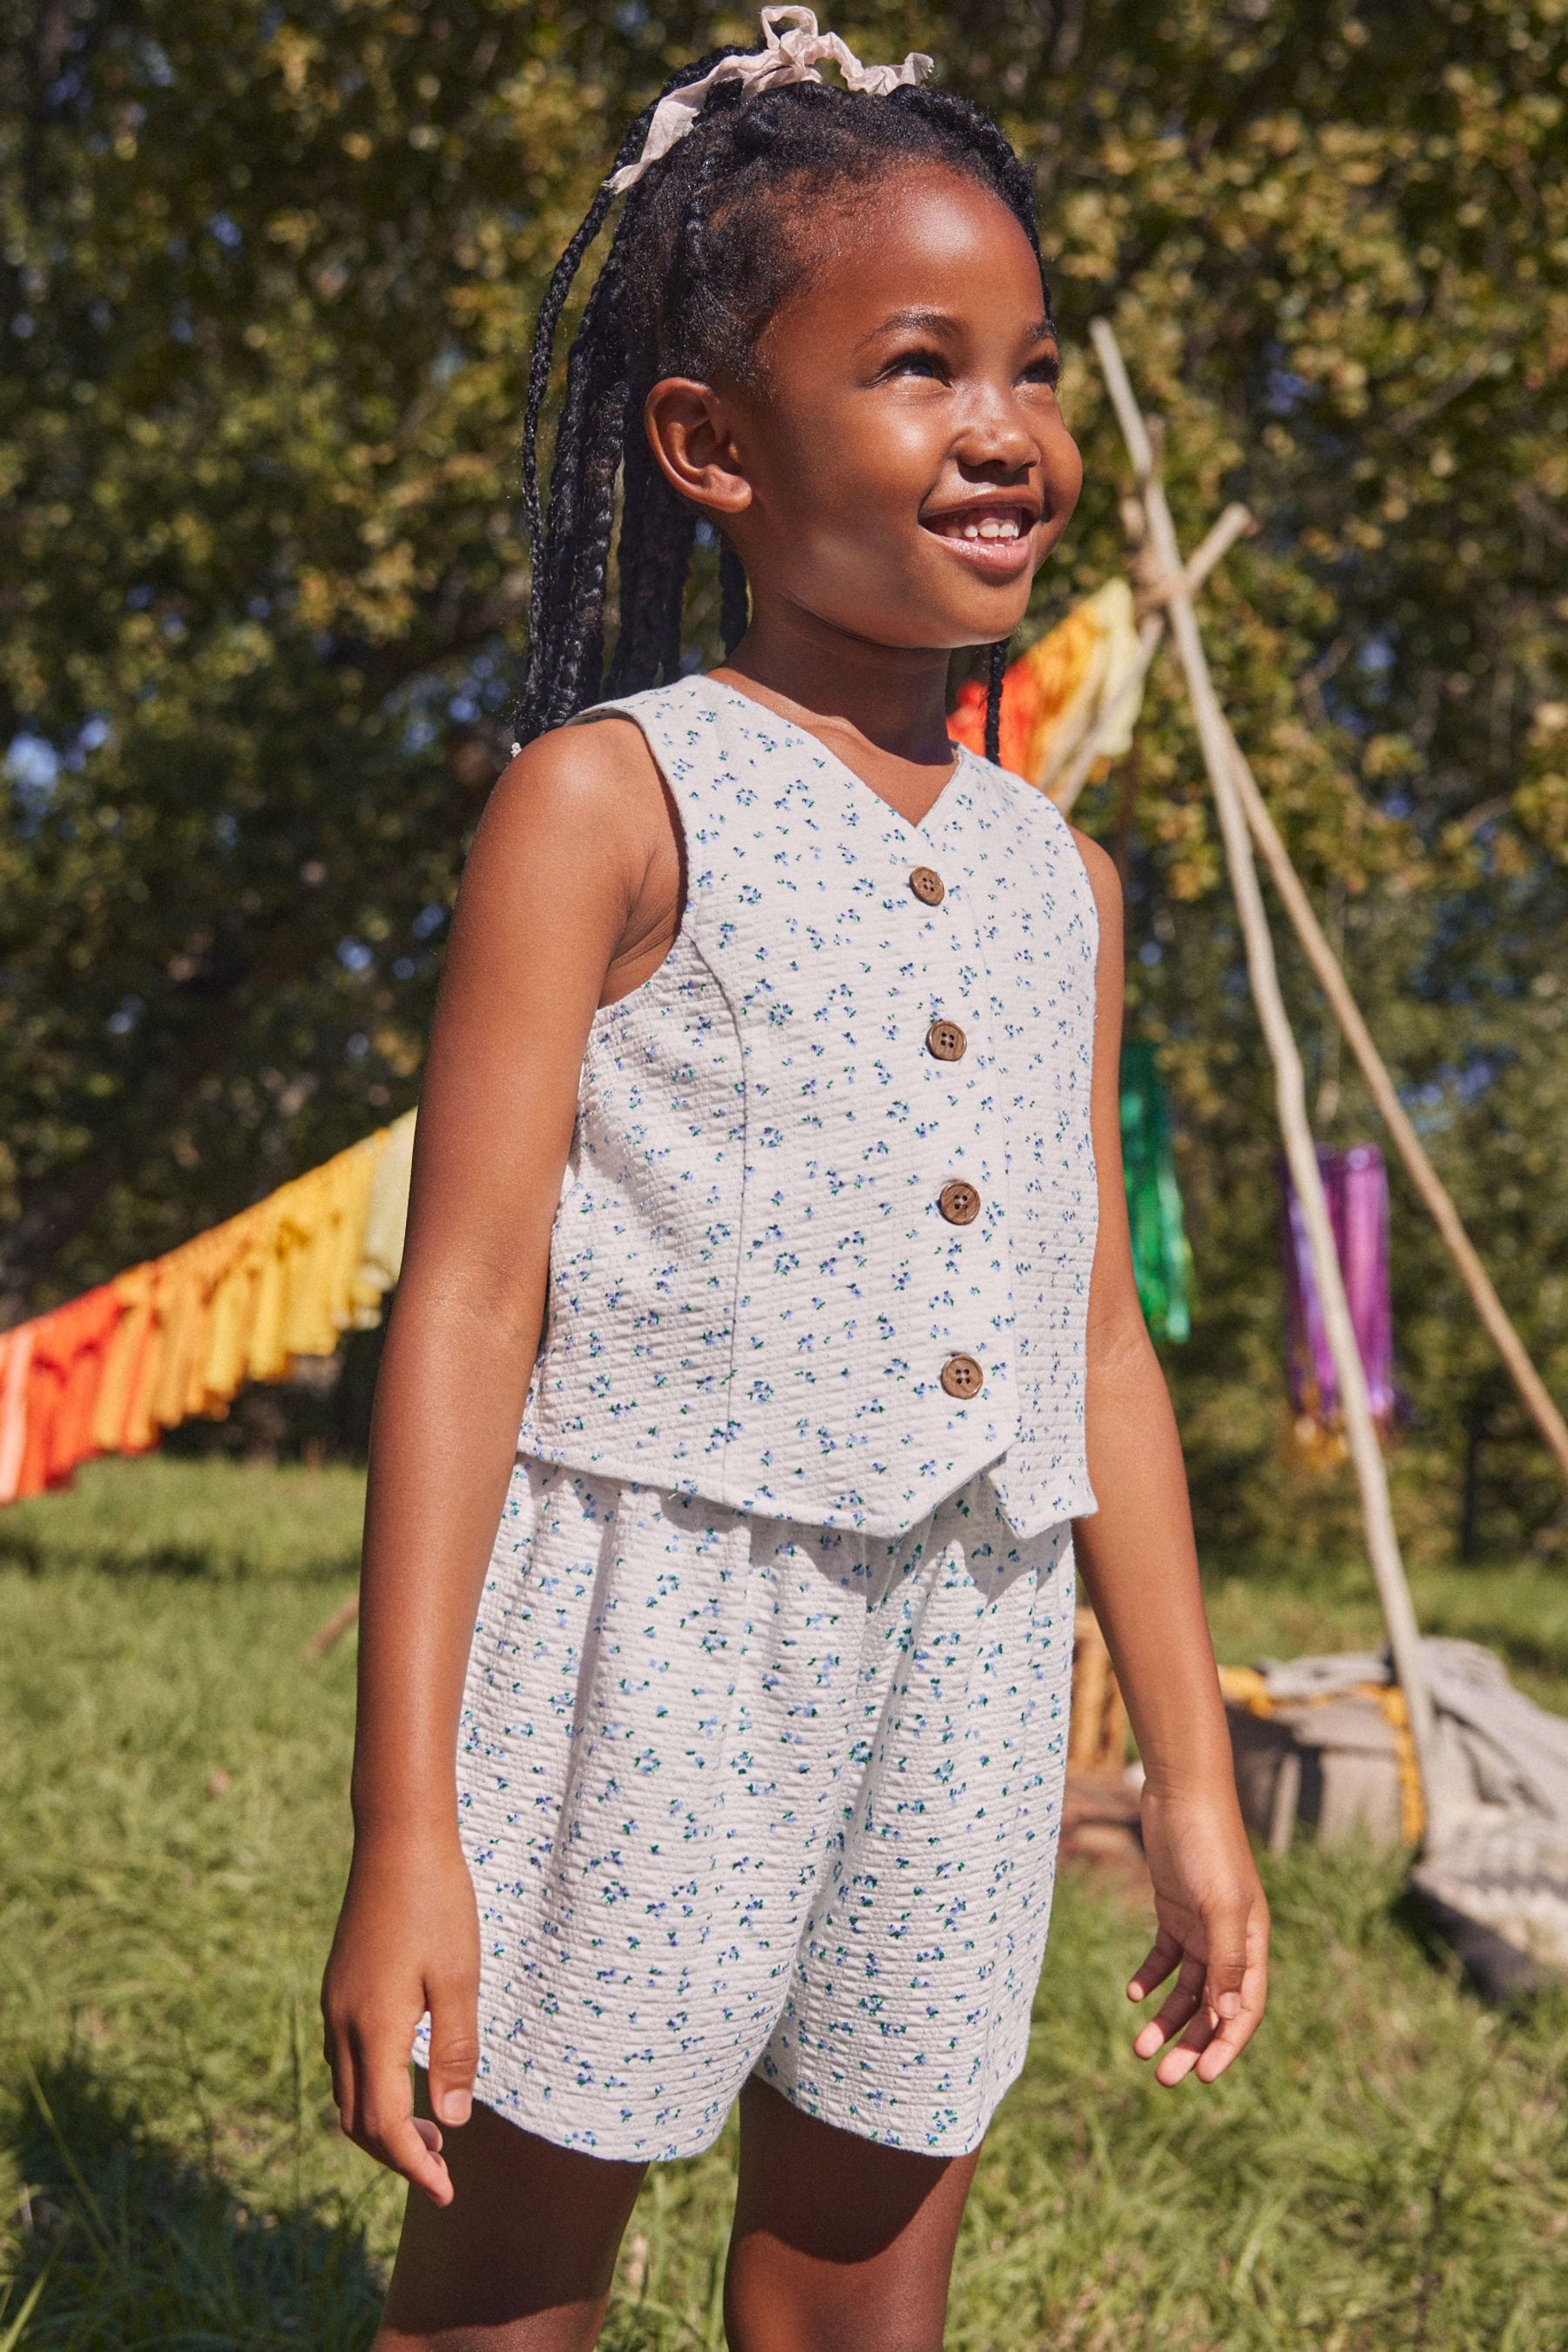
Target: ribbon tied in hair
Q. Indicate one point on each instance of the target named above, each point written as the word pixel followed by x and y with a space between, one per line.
pixel 793 56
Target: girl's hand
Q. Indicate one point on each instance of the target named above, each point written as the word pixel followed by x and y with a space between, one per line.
pixel 1213 1930
pixel 407 1941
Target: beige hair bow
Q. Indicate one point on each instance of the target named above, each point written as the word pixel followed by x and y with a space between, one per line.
pixel 793 56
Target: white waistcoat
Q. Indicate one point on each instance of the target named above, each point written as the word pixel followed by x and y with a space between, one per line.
pixel 755 1286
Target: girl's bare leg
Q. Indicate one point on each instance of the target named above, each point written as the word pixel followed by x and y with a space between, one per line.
pixel 522 2260
pixel 838 2245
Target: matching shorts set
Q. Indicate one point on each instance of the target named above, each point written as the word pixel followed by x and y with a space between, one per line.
pixel 742 1796
pixel 770 1784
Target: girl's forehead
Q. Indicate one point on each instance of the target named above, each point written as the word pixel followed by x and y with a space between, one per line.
pixel 930 238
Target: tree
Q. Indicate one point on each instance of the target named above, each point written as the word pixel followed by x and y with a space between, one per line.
pixel 271 274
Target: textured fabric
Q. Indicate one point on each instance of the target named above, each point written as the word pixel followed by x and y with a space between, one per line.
pixel 65 1367
pixel 1355 1187
pixel 1083 678
pixel 784 57
pixel 386 1221
pixel 15 1366
pixel 38 1408
pixel 741 1795
pixel 305 1287
pixel 1161 1261
pixel 186 1295
pixel 90 1324
pixel 107 1372
pixel 222 1370
pixel 142 1425
pixel 135 1289
pixel 752 1290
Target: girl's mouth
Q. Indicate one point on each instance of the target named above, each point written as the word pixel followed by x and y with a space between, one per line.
pixel 993 536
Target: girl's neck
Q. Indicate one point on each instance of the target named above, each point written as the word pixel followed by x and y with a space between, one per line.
pixel 893 697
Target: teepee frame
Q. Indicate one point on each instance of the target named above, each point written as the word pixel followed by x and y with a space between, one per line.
pixel 1244 818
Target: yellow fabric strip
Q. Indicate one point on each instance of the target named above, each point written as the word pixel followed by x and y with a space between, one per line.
pixel 241 1300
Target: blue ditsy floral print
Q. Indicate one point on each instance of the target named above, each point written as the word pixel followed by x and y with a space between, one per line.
pixel 765 1719
pixel 739 1794
pixel 755 1291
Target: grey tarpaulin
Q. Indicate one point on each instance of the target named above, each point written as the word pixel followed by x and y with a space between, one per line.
pixel 1503 1861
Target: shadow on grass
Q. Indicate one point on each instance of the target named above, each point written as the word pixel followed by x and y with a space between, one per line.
pixel 125 2242
pixel 180 1563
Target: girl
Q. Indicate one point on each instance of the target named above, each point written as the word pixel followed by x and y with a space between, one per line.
pixel 768 1181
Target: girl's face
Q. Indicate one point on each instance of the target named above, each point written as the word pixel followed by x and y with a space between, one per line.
pixel 900 469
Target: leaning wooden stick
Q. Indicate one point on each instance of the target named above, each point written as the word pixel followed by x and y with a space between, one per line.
pixel 1231 525
pixel 1532 1390
pixel 1213 735
pixel 1423 1175
pixel 335 1627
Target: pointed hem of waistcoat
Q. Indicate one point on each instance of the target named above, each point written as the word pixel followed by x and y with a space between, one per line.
pixel 628 1471
pixel 1075 1501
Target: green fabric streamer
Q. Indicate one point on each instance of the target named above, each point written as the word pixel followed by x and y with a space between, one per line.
pixel 1161 1261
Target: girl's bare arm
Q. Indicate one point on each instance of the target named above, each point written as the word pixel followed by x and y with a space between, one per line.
pixel 563 901
pixel 1140 1566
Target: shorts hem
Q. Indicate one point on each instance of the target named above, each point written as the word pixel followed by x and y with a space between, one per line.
pixel 963 2140
pixel 547 2119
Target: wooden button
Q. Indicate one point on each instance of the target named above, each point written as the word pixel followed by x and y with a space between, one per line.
pixel 928 886
pixel 959 1203
pixel 946 1040
pixel 963 1377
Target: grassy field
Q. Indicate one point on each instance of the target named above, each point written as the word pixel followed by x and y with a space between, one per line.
pixel 1389 2170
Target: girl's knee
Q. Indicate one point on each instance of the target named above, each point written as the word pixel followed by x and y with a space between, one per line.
pixel 770 2308
pixel 839 2244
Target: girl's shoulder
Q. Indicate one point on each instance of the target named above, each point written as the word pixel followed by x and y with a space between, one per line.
pixel 592 782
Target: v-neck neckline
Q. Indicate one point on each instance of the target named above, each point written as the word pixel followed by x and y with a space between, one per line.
pixel 892 815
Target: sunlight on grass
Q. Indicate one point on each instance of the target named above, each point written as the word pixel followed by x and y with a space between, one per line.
pixel 1390 2170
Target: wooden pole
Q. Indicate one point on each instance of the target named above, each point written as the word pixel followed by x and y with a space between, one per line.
pixel 328 1635
pixel 1233 524
pixel 1532 1389
pixel 1366 1456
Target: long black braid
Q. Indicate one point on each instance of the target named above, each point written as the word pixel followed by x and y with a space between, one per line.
pixel 701 258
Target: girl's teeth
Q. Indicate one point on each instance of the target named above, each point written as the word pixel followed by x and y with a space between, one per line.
pixel 993 527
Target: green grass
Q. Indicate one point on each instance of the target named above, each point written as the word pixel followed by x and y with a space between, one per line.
pixel 1390 2168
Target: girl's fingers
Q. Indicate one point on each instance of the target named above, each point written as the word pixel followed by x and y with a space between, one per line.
pixel 1174 2011
pixel 1207 2037
pixel 1226 1941
pixel 337 2052
pixel 454 2050
pixel 411 2145
pixel 386 2125
pixel 1236 2033
pixel 1165 1954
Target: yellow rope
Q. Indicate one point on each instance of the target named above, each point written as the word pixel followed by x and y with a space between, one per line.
pixel 1245 1686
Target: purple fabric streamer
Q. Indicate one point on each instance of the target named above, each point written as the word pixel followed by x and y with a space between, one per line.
pixel 1356 1185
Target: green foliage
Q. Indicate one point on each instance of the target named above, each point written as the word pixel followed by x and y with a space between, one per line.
pixel 1386 2172
pixel 270 271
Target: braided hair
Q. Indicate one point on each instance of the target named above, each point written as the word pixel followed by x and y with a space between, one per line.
pixel 701 258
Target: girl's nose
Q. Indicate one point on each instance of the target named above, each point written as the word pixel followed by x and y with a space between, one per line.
pixel 996 437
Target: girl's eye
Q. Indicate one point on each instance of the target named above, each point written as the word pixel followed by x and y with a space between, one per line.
pixel 1047 372
pixel 917 363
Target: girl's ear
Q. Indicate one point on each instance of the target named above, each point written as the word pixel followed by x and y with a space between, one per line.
pixel 690 432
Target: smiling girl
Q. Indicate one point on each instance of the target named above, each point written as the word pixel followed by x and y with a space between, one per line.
pixel 768 1181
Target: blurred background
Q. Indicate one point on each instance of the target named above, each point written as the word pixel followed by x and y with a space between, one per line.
pixel 269 272
pixel 268 276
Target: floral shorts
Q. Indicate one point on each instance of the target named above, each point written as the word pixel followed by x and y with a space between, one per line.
pixel 744 1796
